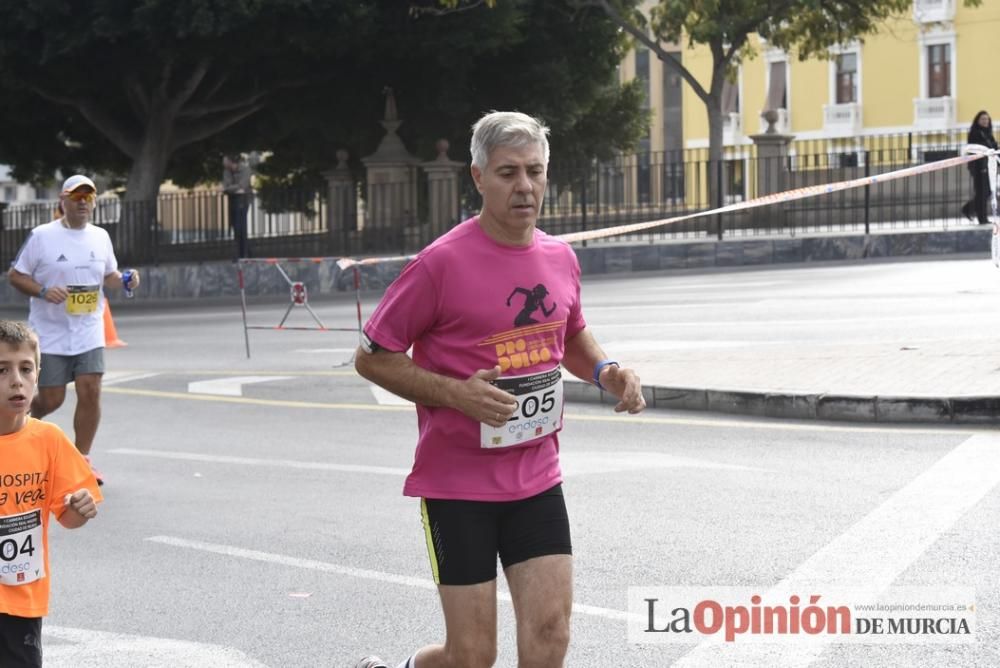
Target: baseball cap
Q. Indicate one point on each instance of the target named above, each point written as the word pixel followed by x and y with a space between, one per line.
pixel 75 181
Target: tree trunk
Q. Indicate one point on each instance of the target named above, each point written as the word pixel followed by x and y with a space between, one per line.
pixel 716 180
pixel 136 240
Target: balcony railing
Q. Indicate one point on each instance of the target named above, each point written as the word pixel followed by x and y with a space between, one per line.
pixel 842 120
pixel 933 11
pixel 934 113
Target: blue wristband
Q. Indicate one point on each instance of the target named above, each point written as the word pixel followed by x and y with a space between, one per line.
pixel 600 367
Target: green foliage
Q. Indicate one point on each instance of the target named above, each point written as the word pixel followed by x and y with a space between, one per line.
pixel 169 85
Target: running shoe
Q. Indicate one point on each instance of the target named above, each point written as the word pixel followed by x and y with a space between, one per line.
pixel 93 469
pixel 371 662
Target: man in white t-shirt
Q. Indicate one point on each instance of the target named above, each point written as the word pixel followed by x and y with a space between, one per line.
pixel 64 266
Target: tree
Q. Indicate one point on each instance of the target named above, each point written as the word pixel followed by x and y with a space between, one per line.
pixel 542 57
pixel 136 81
pixel 157 88
pixel 724 27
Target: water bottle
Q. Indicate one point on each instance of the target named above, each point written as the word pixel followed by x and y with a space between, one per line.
pixel 126 279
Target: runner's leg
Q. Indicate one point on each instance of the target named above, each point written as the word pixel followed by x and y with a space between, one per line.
pixel 88 410
pixel 542 590
pixel 470 620
pixel 47 400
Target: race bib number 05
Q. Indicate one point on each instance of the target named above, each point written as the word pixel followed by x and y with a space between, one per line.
pixel 21 548
pixel 82 299
pixel 538 413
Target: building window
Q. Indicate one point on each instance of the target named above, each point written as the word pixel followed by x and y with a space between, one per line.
pixel 847 78
pixel 9 193
pixel 735 181
pixel 642 72
pixel 777 88
pixel 939 70
pixel 730 98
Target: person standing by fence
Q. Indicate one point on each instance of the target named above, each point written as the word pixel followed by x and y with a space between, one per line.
pixel 236 185
pixel 980 133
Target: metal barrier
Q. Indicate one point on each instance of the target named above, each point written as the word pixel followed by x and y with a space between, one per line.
pixel 298 298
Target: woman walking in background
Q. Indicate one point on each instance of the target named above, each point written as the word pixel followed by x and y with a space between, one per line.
pixel 980 133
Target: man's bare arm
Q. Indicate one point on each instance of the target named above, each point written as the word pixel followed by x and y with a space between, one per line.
pixel 581 356
pixel 26 285
pixel 475 396
pixel 23 283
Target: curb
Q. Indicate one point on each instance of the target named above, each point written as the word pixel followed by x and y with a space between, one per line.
pixel 792 406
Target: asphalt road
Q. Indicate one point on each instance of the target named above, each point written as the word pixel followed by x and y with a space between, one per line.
pixel 254 516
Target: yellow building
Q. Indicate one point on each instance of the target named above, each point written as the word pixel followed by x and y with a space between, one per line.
pixel 923 76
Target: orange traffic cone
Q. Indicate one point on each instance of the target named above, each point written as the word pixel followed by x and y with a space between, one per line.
pixel 111 339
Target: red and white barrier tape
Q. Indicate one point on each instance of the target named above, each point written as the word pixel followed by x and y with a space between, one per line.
pixel 970 153
pixel 775 198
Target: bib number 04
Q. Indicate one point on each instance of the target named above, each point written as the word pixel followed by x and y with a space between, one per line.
pixel 21 548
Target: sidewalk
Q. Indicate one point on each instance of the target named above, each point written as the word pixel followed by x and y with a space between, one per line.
pixel 946 383
pixel 911 342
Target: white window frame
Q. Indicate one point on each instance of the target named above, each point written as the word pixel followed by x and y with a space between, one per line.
pixel 779 56
pixel 937 37
pixel 774 55
pixel 736 137
pixel 842 50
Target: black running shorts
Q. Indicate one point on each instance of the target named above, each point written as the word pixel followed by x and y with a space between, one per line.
pixel 20 641
pixel 465 537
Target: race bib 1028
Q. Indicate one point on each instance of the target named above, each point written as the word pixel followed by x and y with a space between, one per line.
pixel 82 299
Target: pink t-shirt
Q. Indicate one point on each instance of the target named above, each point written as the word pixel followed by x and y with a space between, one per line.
pixel 451 304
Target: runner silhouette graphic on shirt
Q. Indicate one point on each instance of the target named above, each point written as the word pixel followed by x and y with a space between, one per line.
pixel 533 300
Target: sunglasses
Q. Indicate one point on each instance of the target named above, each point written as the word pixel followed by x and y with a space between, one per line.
pixel 78 196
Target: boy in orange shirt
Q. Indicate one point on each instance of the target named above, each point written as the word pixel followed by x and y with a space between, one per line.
pixel 41 472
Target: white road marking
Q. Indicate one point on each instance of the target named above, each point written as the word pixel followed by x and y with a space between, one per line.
pixel 117 377
pixel 661 307
pixel 348 571
pixel 624 421
pixel 872 320
pixel 650 345
pixel 228 387
pixel 386 398
pixel 572 463
pixel 67 647
pixel 722 284
pixel 253 461
pixel 575 463
pixel 872 553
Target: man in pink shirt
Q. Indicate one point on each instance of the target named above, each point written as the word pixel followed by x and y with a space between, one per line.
pixel 492 312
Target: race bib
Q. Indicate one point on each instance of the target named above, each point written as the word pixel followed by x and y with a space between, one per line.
pixel 21 548
pixel 538 413
pixel 82 299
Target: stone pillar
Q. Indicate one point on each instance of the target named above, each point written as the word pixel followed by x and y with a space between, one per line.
pixel 772 173
pixel 772 158
pixel 391 206
pixel 442 189
pixel 341 204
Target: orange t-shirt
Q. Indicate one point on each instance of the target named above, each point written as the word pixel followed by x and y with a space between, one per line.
pixel 38 468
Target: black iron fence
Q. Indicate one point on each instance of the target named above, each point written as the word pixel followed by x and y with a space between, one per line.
pixel 402 217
